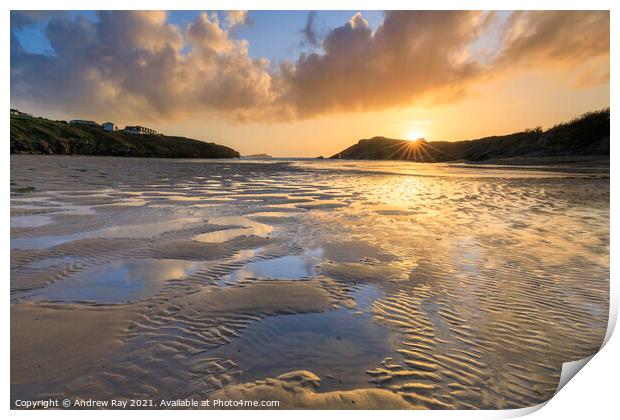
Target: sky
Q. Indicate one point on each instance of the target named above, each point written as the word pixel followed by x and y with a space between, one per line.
pixel 310 83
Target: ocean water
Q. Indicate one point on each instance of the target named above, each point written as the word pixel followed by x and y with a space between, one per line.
pixel 453 286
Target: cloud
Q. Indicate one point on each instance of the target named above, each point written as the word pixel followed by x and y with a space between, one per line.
pixel 133 64
pixel 24 18
pixel 236 17
pixel 552 38
pixel 206 33
pixel 410 55
pixel 136 64
pixel 21 18
pixel 310 36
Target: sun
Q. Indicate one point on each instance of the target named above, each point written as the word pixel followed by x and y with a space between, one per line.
pixel 414 135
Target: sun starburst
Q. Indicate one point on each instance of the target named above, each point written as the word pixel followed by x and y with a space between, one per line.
pixel 414 135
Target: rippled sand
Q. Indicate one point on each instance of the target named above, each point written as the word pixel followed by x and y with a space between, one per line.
pixel 319 284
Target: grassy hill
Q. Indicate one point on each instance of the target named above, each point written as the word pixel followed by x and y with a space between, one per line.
pixel 587 135
pixel 31 135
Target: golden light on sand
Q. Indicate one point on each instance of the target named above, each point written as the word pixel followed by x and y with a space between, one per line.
pixel 414 135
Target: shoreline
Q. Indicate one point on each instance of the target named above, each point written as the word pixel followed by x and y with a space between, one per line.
pixel 594 160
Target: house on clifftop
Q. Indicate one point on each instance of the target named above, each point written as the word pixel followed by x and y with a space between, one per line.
pixel 83 122
pixel 136 129
pixel 108 126
pixel 18 112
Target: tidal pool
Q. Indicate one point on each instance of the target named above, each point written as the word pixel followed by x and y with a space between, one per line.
pixel 291 267
pixel 338 345
pixel 118 282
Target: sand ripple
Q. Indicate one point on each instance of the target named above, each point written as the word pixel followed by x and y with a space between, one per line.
pixel 363 286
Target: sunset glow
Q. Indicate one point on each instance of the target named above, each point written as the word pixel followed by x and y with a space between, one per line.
pixel 414 135
pixel 306 210
pixel 293 94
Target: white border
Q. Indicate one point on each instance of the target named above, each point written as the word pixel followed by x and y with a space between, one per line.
pixel 592 395
pixel 309 5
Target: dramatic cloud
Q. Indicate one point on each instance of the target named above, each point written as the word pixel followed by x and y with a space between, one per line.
pixel 133 64
pixel 410 55
pixel 138 64
pixel 554 37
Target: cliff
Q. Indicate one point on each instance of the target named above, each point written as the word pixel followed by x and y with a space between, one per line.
pixel 587 135
pixel 31 135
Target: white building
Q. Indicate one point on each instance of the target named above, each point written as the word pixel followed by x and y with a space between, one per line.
pixel 108 126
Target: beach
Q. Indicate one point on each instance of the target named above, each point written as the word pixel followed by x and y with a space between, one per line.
pixel 319 284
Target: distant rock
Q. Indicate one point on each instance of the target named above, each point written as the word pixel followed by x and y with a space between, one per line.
pixel 587 135
pixel 258 156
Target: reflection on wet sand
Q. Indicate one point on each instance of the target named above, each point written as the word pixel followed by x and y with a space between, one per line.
pixel 292 267
pixel 119 281
pixel 321 284
pixel 249 227
pixel 29 221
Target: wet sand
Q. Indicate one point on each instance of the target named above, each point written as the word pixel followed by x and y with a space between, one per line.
pixel 318 284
